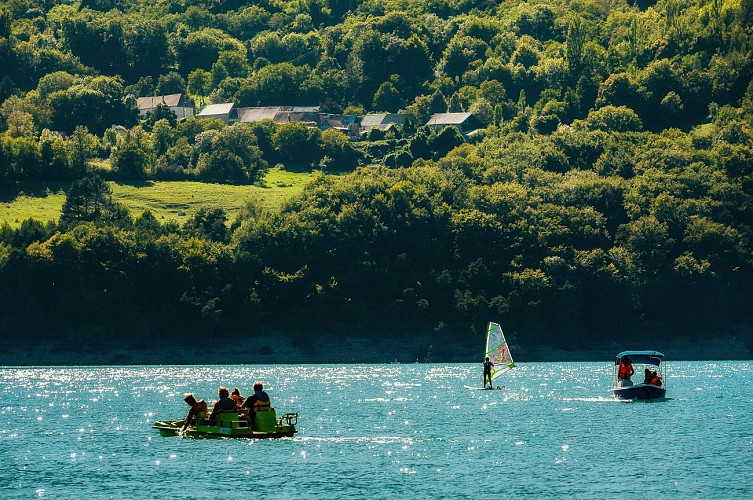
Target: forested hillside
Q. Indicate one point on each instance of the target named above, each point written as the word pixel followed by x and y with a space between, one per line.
pixel 610 189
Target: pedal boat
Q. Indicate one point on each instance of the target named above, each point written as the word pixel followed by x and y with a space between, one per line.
pixel 640 359
pixel 229 424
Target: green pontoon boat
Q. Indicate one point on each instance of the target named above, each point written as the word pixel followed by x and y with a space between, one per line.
pixel 232 424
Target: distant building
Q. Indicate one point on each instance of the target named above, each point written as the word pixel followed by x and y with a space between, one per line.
pixel 120 130
pixel 227 112
pixel 179 104
pixel 465 122
pixel 308 115
pixel 279 114
pixel 347 124
pixel 382 121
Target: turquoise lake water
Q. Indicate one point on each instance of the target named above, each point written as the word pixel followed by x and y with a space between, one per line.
pixel 381 431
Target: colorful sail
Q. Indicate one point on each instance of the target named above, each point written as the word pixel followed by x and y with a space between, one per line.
pixel 497 350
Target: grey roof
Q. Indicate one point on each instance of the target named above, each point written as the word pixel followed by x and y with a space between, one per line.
pixel 171 100
pixel 217 109
pixel 382 120
pixel 257 114
pixel 279 114
pixel 448 118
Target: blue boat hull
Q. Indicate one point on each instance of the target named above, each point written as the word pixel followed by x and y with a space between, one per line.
pixel 639 391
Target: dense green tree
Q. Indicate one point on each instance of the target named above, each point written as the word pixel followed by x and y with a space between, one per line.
pixel 82 147
pixel 55 158
pixel 149 49
pixel 295 143
pixel 208 223
pixel 96 103
pixel 387 98
pixel 274 84
pixel 170 83
pixel 335 145
pixel 199 83
pixel 614 119
pixel 201 48
pixel 131 160
pixel 89 199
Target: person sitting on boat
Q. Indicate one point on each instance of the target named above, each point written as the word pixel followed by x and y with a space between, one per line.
pixel 655 379
pixel 223 404
pixel 626 371
pixel 196 407
pixel 236 396
pixel 488 365
pixel 258 401
pixel 647 376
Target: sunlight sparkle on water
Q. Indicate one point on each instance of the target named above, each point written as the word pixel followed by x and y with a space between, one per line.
pixel 388 423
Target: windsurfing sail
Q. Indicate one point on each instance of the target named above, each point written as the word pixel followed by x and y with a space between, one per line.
pixel 497 350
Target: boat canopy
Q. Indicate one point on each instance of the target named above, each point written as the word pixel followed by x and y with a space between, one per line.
pixel 641 357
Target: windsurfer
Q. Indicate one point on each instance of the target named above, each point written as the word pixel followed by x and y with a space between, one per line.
pixel 488 371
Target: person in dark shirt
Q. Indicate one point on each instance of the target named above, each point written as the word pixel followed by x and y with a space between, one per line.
pixel 258 401
pixel 488 365
pixel 224 403
pixel 196 407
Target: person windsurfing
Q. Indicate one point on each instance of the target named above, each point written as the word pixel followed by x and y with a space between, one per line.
pixel 488 372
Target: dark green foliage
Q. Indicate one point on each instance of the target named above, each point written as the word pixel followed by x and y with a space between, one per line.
pixel 88 200
pixel 131 161
pixel 208 223
pixel 170 83
pixel 616 166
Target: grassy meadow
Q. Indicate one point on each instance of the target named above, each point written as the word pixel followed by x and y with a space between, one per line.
pixel 167 200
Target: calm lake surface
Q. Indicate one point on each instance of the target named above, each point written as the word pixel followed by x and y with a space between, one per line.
pixel 381 431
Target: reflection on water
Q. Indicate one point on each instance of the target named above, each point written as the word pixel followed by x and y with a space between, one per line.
pixel 380 430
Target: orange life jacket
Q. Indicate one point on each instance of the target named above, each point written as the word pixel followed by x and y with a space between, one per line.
pixel 626 371
pixel 655 380
pixel 262 405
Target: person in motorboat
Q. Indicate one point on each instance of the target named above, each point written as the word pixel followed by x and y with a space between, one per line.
pixel 225 403
pixel 626 371
pixel 655 379
pixel 488 371
pixel 647 376
pixel 196 407
pixel 236 396
pixel 258 401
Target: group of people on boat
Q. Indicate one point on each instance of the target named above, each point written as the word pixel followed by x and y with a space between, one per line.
pixel 626 371
pixel 228 402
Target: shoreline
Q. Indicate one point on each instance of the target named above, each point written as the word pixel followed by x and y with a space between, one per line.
pixel 276 348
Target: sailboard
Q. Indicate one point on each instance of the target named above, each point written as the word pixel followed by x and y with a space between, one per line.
pixel 498 352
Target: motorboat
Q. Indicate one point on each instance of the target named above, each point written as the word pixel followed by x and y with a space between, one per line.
pixel 649 366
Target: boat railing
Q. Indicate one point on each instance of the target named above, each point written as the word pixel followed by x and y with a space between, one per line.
pixel 288 419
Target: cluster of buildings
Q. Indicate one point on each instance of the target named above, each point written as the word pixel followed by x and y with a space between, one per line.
pixel 350 125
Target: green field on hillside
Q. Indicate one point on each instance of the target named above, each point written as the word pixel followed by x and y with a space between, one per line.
pixel 167 200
